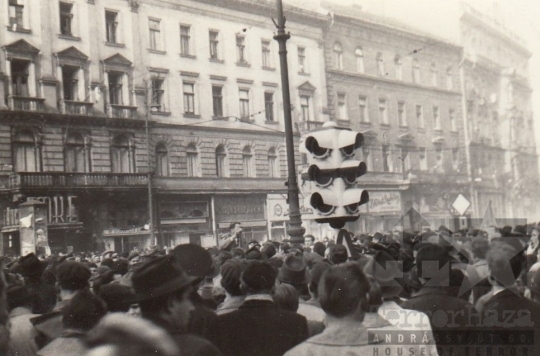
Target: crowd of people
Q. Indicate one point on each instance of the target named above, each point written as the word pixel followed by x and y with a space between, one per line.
pixel 403 293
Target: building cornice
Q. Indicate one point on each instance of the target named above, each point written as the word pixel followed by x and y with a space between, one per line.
pixel 401 84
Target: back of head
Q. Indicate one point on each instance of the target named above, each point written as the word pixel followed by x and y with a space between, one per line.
pixel 238 252
pixel 339 254
pixel 258 277
pixel 195 260
pixel 117 297
pixel 231 272
pixel 431 256
pixel 286 297
pixel 480 247
pixel 319 248
pixel 342 289
pixel 123 335
pixel 268 250
pixel 73 276
pixel 18 296
pixel 504 253
pixel 83 311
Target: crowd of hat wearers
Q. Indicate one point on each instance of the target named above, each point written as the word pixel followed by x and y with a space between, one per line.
pixel 431 293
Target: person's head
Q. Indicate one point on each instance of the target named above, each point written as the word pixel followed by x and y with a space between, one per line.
pixel 222 257
pixel 285 247
pixel 83 311
pixel 343 291
pixel 231 272
pixel 316 273
pixel 268 250
pixel 338 254
pixel 286 297
pixel 309 240
pixel 121 335
pixel 194 260
pixel 433 257
pixel 117 297
pixel 162 290
pixel 238 253
pixel 235 228
pixel 480 247
pixel 375 295
pixel 319 248
pixel 505 255
pixel 73 276
pixel 258 278
pixel 18 296
pixel 254 244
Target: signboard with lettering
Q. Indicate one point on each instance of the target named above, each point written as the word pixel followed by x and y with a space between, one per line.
pixel 278 210
pixel 384 202
pixel 61 209
pixel 240 208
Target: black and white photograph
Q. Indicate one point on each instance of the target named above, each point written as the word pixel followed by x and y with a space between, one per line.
pixel 269 178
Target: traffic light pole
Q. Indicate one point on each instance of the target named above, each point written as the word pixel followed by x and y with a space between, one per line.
pixel 295 230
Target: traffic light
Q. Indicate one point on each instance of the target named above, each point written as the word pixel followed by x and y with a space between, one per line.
pixel 333 173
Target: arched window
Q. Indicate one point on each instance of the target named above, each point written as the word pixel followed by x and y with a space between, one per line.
pixel 247 162
pixel 76 156
pixel 27 153
pixel 359 53
pixel 399 67
pixel 162 160
pixel 449 79
pixel 416 71
pixel 434 74
pixel 123 155
pixel 273 163
pixel 380 65
pixel 221 162
pixel 192 156
pixel 338 56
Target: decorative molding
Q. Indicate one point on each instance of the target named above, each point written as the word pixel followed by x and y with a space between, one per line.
pixel 189 74
pixel 244 81
pixel 270 84
pixel 218 77
pixel 190 56
pixel 307 86
pixel 156 51
pixel 158 70
pixel 48 81
pixel 113 44
pixel 20 46
pixel 118 59
pixel 69 37
pixel 72 53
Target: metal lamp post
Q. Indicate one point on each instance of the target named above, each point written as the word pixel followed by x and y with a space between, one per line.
pixel 295 231
pixel 149 171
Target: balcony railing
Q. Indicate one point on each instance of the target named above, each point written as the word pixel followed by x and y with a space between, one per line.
pixel 77 180
pixel 25 103
pixel 122 111
pixel 72 107
pixel 307 126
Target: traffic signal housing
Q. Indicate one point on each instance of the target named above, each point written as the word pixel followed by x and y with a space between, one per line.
pixel 333 173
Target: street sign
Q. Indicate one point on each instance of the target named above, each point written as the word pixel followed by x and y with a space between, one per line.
pixel 461 204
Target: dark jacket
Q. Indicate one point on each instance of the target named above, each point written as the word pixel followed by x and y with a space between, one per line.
pixel 258 327
pixel 445 312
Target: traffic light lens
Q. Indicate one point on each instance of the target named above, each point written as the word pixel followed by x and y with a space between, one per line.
pixel 348 150
pixel 313 147
pixel 318 203
pixel 352 208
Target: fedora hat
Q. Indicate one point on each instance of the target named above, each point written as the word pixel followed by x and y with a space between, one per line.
pixel 195 260
pixel 385 269
pixel 31 266
pixel 294 271
pixel 158 277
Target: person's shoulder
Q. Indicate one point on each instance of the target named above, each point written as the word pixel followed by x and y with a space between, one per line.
pixel 195 345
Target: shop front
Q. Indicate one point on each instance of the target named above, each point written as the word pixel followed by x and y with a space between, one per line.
pixel 186 219
pixel 249 210
pixel 381 213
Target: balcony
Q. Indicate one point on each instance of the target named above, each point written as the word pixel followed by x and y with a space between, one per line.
pixel 72 107
pixel 60 180
pixel 25 103
pixel 307 126
pixel 211 185
pixel 122 111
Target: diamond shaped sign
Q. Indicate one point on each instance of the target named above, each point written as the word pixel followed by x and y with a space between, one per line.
pixel 461 204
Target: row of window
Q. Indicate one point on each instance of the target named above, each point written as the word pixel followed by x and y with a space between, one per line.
pixel 363 110
pixel 398 67
pixel 77 157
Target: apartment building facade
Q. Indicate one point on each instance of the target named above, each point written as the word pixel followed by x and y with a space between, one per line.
pixel 401 89
pixel 82 81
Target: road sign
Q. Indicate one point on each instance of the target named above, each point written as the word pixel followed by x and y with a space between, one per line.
pixel 461 204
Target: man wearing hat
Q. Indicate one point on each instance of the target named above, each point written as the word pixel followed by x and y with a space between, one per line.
pixel 233 238
pixel 258 327
pixel 43 295
pixel 388 273
pixel 162 290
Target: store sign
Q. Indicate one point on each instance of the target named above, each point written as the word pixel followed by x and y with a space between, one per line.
pixel 384 202
pixel 278 210
pixel 61 209
pixel 124 232
pixel 239 208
